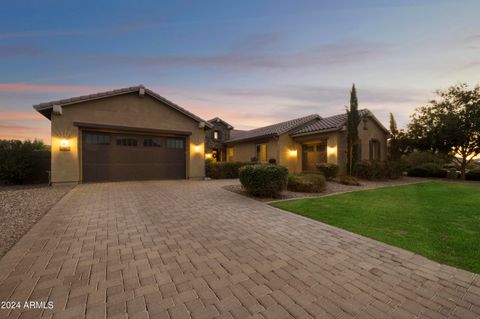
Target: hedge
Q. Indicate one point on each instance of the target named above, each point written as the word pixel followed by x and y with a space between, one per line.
pixel 307 183
pixel 328 170
pixel 473 174
pixel 378 170
pixel 264 180
pixel 24 162
pixel 348 180
pixel 218 170
pixel 428 170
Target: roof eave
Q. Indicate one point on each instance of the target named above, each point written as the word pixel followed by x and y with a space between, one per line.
pixel 249 139
pixel 317 132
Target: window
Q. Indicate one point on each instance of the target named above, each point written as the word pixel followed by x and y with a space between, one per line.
pixel 175 143
pixel 230 154
pixel 262 152
pixel 126 141
pixel 97 139
pixel 374 150
pixel 152 142
pixel 217 135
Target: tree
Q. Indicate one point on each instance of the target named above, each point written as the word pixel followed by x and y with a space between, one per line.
pixel 394 151
pixel 353 120
pixel 450 125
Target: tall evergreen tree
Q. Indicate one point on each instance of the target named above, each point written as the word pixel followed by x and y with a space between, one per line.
pixel 353 120
pixel 394 152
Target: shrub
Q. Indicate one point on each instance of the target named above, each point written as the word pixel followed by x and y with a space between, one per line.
pixel 218 170
pixel 416 159
pixel 349 180
pixel 272 161
pixel 328 170
pixel 394 169
pixel 22 162
pixel 264 180
pixel 307 183
pixel 452 174
pixel 473 175
pixel 428 170
pixel 371 170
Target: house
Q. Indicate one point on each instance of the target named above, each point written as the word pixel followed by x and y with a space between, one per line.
pixel 301 143
pixel 126 134
pixel 135 134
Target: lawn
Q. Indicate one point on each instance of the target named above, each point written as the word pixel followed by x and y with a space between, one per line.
pixel 440 221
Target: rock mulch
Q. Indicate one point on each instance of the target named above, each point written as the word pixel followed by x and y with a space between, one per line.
pixel 332 188
pixel 21 207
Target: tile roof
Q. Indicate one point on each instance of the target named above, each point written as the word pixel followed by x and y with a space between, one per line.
pixel 217 119
pixel 45 108
pixel 273 130
pixel 332 123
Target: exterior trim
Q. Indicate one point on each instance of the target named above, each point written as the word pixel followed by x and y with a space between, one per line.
pixel 85 125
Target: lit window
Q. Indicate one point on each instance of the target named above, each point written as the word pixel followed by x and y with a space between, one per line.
pixel 262 152
pixel 216 135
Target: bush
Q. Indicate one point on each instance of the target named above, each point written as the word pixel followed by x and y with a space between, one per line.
pixel 394 169
pixel 452 174
pixel 272 161
pixel 416 159
pixel 264 180
pixel 349 180
pixel 375 170
pixel 307 183
pixel 328 170
pixel 218 170
pixel 473 175
pixel 24 162
pixel 428 170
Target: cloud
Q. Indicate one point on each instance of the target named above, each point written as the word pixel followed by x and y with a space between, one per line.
pixel 244 58
pixel 21 128
pixel 28 87
pixel 20 116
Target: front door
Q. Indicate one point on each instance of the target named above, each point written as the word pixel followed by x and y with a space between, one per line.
pixel 312 154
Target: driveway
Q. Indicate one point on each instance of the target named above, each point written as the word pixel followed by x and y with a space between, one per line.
pixel 192 249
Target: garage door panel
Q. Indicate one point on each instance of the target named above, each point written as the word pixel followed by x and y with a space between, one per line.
pixel 122 157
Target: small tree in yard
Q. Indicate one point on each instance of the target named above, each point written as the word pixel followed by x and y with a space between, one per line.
pixel 450 125
pixel 394 152
pixel 353 120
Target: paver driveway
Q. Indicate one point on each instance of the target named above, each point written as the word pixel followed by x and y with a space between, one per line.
pixel 191 249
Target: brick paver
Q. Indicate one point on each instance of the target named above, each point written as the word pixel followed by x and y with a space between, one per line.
pixel 183 249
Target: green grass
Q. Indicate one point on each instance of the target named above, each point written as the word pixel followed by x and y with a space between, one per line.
pixel 440 221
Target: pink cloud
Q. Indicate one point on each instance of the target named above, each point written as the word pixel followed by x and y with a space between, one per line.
pixel 27 87
pixel 20 116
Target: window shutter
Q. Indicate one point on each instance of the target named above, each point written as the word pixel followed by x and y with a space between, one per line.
pixel 370 150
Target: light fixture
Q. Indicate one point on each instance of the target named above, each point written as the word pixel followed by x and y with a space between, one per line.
pixel 208 156
pixel 292 153
pixel 197 148
pixel 64 145
pixel 331 150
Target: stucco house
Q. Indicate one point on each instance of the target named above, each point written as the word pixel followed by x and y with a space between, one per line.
pixel 301 143
pixel 135 134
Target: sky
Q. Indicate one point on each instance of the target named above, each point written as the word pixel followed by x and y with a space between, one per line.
pixel 252 63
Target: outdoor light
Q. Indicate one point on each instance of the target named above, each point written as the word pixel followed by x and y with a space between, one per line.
pixel 197 148
pixel 331 150
pixel 208 156
pixel 64 145
pixel 292 153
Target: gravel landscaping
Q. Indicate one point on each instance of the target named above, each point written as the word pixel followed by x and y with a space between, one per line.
pixel 332 188
pixel 21 207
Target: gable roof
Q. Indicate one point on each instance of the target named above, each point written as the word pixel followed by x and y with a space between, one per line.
pixel 332 123
pixel 217 119
pixel 46 108
pixel 274 129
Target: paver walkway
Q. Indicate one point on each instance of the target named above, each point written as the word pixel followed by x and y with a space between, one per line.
pixel 192 249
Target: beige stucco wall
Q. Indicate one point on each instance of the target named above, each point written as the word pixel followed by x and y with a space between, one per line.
pixel 128 110
pixel 368 130
pixel 244 151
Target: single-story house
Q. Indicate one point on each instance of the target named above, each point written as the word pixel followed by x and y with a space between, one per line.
pixel 301 143
pixel 135 134
pixel 126 134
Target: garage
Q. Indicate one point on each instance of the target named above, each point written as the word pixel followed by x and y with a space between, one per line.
pixel 123 156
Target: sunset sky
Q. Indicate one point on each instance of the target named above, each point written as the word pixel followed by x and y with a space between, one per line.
pixel 251 63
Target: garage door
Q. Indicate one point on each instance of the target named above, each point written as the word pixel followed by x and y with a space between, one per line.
pixel 122 157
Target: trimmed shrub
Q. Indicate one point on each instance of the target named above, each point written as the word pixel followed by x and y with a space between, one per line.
pixel 306 183
pixel 264 180
pixel 24 162
pixel 473 175
pixel 328 170
pixel 371 170
pixel 394 169
pixel 272 161
pixel 219 170
pixel 348 180
pixel 416 159
pixel 428 170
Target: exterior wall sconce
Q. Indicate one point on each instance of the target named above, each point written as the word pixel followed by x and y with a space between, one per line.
pixel 64 145
pixel 292 153
pixel 331 150
pixel 208 156
pixel 197 148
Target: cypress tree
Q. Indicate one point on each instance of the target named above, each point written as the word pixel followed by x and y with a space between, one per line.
pixel 353 120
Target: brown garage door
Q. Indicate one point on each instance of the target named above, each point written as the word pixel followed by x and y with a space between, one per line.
pixel 123 157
